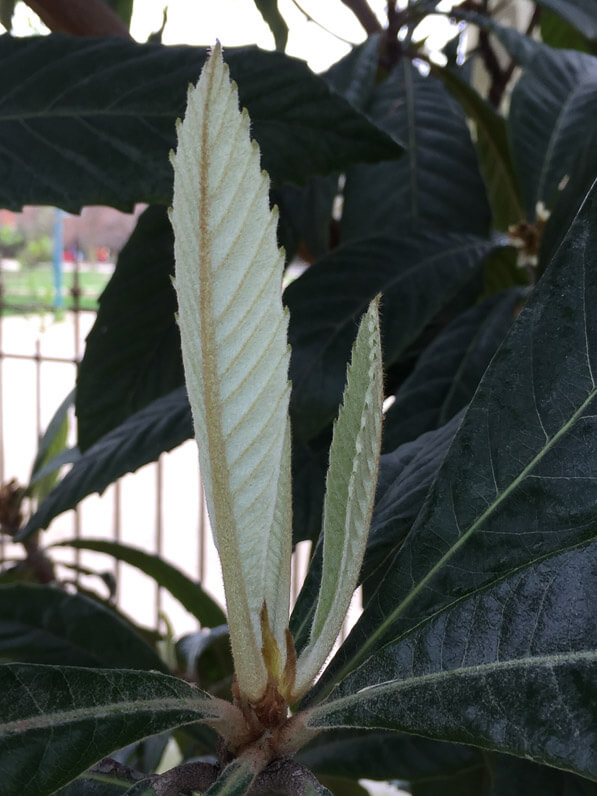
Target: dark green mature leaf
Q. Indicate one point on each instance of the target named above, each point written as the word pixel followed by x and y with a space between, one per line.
pixel 552 110
pixel 205 658
pixel 484 659
pixel 277 24
pixel 309 466
pixel 188 592
pixel 44 624
pixel 520 47
pixel 7 8
pixel 51 452
pixel 159 427
pixel 305 224
pixel 558 33
pixel 105 139
pixel 437 181
pixel 570 198
pixel 47 444
pixel 447 373
pixel 347 787
pixel 132 354
pixel 405 476
pixel 580 13
pixel 483 674
pixel 495 158
pixel 57 721
pixel 301 618
pixel 354 75
pixel 375 754
pixel 510 775
pixel 417 274
pixel 472 780
pixel 306 213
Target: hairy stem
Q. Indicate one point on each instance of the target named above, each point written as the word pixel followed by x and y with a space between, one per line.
pixel 79 17
pixel 362 11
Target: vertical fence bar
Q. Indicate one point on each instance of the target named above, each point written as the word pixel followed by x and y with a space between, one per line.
pixel 2 461
pixel 76 308
pixel 37 360
pixel 117 536
pixel 57 258
pixel 202 548
pixel 159 531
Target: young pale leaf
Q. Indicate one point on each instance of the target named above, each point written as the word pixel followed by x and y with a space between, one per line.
pixel 350 490
pixel 235 353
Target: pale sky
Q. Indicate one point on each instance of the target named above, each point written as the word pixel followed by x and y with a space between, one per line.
pixel 238 22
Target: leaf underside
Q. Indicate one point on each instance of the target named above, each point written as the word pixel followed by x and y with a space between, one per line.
pixel 235 353
pixel 350 490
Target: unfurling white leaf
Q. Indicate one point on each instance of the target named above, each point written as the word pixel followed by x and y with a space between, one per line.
pixel 234 342
pixel 350 491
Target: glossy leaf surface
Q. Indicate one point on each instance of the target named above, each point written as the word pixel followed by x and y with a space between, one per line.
pixel 580 13
pixel 495 157
pixel 51 445
pixel 105 139
pixel 187 591
pixel 436 182
pixel 509 775
pixel 405 477
pixel 132 354
pixel 499 691
pixel 417 276
pixel 448 371
pixel 482 659
pixel 44 624
pixel 159 427
pixel 378 754
pixel 552 111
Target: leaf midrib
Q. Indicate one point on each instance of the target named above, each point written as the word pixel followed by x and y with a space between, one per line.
pixel 478 670
pixel 98 713
pixel 484 588
pixel 404 275
pixel 373 638
pixel 555 136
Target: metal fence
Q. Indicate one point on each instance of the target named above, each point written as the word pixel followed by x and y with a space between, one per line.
pixel 160 508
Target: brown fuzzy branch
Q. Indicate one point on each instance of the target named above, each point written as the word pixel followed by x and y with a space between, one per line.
pixel 79 17
pixel 286 776
pixel 186 778
pixel 112 769
pixel 362 11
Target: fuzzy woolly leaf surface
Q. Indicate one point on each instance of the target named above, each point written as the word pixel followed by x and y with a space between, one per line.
pixel 350 490
pixel 235 353
pixel 57 721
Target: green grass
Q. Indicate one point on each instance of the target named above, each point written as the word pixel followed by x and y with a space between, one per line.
pixel 32 290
